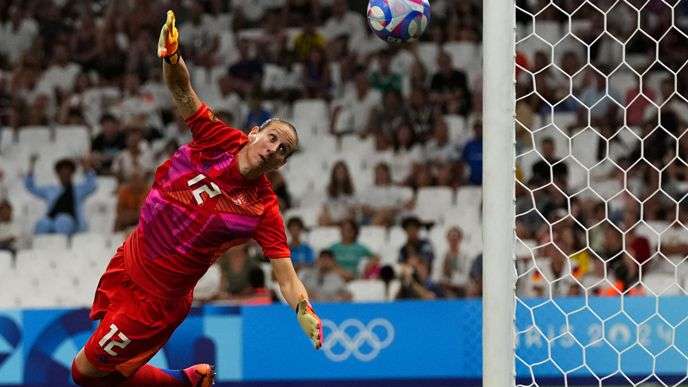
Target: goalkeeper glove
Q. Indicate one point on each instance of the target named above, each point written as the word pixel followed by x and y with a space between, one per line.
pixel 168 43
pixel 310 322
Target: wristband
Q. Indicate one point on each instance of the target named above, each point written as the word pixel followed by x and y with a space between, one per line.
pixel 167 58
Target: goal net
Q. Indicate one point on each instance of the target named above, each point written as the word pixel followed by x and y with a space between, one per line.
pixel 601 181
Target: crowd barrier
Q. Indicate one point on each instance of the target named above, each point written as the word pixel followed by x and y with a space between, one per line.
pixel 385 344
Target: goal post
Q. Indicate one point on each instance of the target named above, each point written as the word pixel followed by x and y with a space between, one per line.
pixel 498 192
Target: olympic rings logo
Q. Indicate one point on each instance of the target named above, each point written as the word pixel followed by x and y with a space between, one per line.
pixel 352 337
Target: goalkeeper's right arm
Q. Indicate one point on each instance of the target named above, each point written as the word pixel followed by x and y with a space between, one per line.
pixel 174 70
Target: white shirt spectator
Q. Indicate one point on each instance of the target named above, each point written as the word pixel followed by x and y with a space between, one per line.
pixel 356 111
pixel 125 164
pixel 61 77
pixel 351 24
pixel 16 41
pixel 403 161
pixel 386 196
pixel 443 152
pixel 205 81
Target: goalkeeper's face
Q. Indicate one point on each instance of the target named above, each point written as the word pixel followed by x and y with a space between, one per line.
pixel 270 147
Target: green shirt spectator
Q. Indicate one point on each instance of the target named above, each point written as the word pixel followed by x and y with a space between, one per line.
pixel 348 252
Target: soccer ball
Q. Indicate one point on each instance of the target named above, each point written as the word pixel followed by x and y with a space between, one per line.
pixel 398 21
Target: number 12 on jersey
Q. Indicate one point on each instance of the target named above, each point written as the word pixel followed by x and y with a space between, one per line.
pixel 211 190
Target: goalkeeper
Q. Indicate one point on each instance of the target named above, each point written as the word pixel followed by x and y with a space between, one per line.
pixel 210 195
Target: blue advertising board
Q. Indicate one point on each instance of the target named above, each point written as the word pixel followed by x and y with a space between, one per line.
pixel 397 343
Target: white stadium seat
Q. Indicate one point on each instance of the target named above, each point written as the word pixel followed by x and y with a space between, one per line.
pixel 367 290
pixel 432 203
pixel 375 237
pixel 50 242
pixel 323 237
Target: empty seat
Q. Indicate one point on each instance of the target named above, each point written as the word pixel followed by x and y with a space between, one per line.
pixel 209 284
pixel 88 241
pixel 433 202
pixel 367 290
pixel 375 237
pixel 323 237
pixel 32 137
pixel 313 114
pixel 50 242
pixel 74 139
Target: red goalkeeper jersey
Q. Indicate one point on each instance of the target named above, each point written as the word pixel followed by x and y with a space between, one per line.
pixel 199 206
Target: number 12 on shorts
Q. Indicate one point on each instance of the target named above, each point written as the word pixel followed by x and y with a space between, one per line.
pixel 107 343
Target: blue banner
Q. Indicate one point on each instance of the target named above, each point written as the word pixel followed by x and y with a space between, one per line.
pixel 391 343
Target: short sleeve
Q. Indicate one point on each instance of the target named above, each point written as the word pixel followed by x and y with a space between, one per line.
pixel 208 131
pixel 270 233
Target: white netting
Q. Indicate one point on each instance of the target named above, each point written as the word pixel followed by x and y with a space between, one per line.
pixel 602 176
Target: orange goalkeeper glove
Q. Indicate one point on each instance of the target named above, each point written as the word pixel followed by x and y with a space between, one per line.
pixel 310 323
pixel 168 43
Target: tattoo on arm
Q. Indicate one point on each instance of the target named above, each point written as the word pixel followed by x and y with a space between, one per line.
pixel 177 80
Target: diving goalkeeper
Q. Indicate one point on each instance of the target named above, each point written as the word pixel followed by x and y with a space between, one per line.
pixel 210 195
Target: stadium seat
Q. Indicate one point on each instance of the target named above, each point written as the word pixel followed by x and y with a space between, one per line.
pixel 50 242
pixel 314 113
pixel 6 261
pixel 32 137
pixel 88 241
pixel 209 284
pixel 309 215
pixel 433 202
pixel 323 237
pixel 367 290
pixel 375 237
pixel 661 284
pixel 465 56
pixel 74 139
pixel 428 55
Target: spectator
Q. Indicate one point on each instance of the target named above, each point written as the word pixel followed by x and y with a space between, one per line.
pixel 247 72
pixel 279 186
pixel 415 245
pixel 8 229
pixel 438 148
pixel 308 39
pixel 455 264
pixel 415 280
pixel 352 113
pixel 236 266
pixel 384 79
pixel 324 281
pixel 315 76
pixel 65 201
pixel 407 150
pixel 61 73
pixel 343 22
pixel 383 201
pixel 107 144
pixel 302 254
pixel 548 164
pixel 130 197
pixel 389 115
pixel 258 293
pixel 421 114
pixel 18 33
pixel 449 87
pixel 135 157
pixel 472 155
pixel 257 114
pixel 348 251
pixel 340 196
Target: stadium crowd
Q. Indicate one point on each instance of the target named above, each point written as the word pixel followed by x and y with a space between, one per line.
pixel 383 128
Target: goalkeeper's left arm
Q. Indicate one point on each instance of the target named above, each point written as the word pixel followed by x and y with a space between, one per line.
pixel 174 69
pixel 295 293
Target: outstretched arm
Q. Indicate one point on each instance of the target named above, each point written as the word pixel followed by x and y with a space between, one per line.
pixel 174 70
pixel 295 293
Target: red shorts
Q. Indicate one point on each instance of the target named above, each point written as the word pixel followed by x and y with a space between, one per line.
pixel 134 325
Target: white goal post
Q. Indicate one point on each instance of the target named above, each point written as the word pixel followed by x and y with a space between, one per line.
pixel 498 192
